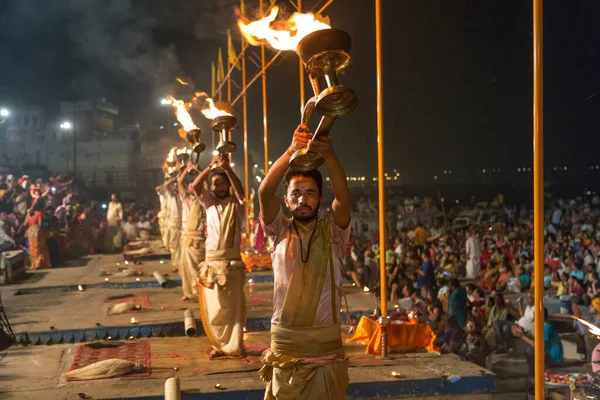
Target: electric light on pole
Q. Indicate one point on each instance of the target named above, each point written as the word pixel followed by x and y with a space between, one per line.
pixel 4 112
pixel 67 126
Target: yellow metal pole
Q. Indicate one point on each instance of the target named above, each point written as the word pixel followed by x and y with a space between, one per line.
pixel 264 98
pixel 301 70
pixel 228 83
pixel 324 7
pixel 538 194
pixel 245 117
pixel 255 78
pixel 380 157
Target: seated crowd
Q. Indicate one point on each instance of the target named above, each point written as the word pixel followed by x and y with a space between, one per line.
pixel 494 311
pixel 52 220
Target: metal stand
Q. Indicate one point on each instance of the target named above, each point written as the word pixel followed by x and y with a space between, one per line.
pixel 7 337
pixel 384 321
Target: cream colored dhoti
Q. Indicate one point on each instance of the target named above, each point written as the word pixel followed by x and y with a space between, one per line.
pixel 174 236
pixel 314 367
pixel 223 306
pixel 191 255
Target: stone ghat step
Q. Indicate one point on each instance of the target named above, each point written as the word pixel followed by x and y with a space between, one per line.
pixel 465 388
pixel 138 331
pixel 122 285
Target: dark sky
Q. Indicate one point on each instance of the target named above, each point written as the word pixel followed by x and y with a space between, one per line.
pixel 457 73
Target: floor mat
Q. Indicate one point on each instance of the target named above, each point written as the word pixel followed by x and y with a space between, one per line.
pixel 137 352
pixel 140 299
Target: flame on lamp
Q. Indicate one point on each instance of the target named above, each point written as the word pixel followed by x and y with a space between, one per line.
pixel 183 116
pixel 80 288
pixel 181 81
pixel 594 330
pixel 212 111
pixel 283 35
pixel 133 321
pixel 171 156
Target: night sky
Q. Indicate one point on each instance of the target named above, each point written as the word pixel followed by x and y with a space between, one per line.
pixel 458 73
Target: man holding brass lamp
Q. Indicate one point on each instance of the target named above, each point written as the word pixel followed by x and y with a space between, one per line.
pixel 222 275
pixel 192 235
pixel 306 359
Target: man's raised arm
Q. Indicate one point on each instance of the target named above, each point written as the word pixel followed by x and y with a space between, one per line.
pixel 235 181
pixel 341 202
pixel 269 204
pixel 181 180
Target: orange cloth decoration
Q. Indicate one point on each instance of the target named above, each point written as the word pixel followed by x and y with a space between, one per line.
pixel 408 336
pixel 260 260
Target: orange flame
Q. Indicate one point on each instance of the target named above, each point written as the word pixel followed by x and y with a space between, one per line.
pixel 181 81
pixel 594 330
pixel 285 35
pixel 171 156
pixel 212 111
pixel 183 116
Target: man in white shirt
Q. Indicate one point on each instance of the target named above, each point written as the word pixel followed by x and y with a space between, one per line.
pixel 130 230
pixel 505 340
pixel 114 216
pixel 143 228
pixel 473 255
pixel 306 359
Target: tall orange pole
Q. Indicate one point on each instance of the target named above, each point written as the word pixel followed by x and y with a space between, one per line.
pixel 228 79
pixel 538 194
pixel 380 157
pixel 264 97
pixel 245 120
pixel 301 70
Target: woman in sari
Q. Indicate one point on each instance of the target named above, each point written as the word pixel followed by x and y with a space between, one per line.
pixel 36 236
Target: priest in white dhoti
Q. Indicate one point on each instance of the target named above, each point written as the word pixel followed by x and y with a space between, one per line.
pixel 162 215
pixel 222 275
pixel 114 217
pixel 306 359
pixel 473 255
pixel 174 215
pixel 191 247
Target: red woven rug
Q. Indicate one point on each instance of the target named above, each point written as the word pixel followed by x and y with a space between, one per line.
pixel 138 298
pixel 137 352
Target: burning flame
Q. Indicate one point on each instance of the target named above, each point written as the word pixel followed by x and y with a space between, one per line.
pixel 133 321
pixel 183 116
pixel 285 35
pixel 171 156
pixel 181 81
pixel 594 330
pixel 80 288
pixel 212 111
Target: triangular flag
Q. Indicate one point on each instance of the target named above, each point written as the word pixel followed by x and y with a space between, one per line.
pixel 231 51
pixel 220 68
pixel 213 80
